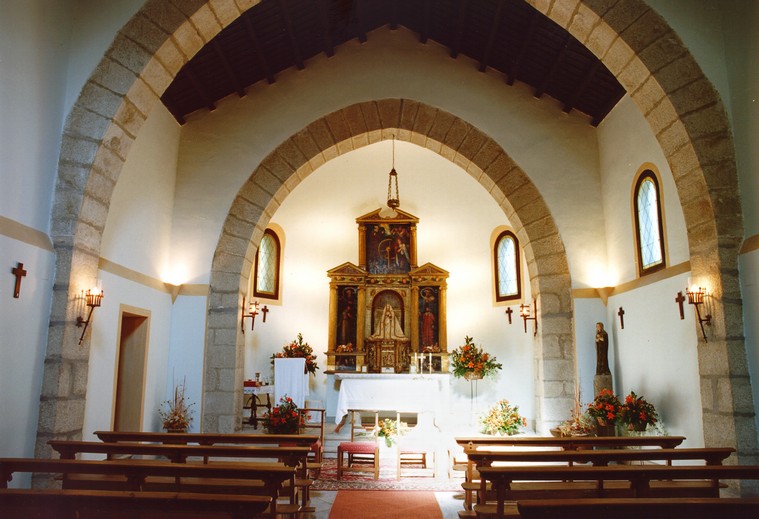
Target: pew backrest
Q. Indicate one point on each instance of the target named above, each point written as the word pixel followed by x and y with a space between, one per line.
pixel 208 438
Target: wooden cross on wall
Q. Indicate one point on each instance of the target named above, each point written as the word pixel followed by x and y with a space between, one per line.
pixel 621 315
pixel 19 272
pixel 679 300
pixel 509 311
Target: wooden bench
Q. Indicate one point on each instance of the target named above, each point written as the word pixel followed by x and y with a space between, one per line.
pixel 38 503
pixel 565 443
pixel 299 440
pixel 615 481
pixel 291 456
pixel 648 508
pixel 142 476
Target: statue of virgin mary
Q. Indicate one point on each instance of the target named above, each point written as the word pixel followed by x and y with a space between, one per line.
pixel 388 327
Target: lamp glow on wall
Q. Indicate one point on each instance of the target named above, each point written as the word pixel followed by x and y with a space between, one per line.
pixel 254 308
pixel 93 298
pixel 529 313
pixel 696 298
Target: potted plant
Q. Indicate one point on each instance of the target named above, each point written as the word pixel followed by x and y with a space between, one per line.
pixel 471 362
pixel 605 409
pixel 637 413
pixel 176 414
pixel 503 418
pixel 284 418
pixel 298 349
pixel 390 430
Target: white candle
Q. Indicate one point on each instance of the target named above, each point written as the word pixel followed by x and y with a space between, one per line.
pixel 430 362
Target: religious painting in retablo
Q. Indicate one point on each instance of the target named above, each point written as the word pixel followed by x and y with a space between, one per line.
pixel 429 318
pixel 388 248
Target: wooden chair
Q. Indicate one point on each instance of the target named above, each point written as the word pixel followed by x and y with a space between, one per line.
pixel 360 456
pixel 417 446
pixel 313 420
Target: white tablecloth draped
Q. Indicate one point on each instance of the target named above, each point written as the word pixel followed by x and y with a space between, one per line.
pixel 290 379
pixel 395 394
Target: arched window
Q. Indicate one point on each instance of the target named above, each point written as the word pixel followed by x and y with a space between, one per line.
pixel 507 279
pixel 648 224
pixel 267 267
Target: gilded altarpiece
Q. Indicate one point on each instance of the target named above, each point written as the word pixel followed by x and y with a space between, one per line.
pixel 386 312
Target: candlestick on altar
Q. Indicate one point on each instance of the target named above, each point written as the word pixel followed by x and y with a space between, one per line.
pixel 430 362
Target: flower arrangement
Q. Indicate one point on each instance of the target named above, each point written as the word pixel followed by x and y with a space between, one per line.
pixel 176 414
pixel 637 413
pixel 297 349
pixel 344 348
pixel 502 418
pixel 470 361
pixel 284 418
pixel 389 430
pixel 605 408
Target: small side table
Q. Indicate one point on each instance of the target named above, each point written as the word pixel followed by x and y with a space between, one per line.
pixel 256 399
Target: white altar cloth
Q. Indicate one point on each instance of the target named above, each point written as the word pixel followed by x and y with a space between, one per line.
pixel 388 392
pixel 290 379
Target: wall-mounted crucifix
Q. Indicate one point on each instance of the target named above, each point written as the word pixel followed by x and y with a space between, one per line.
pixel 621 315
pixel 679 300
pixel 509 311
pixel 19 272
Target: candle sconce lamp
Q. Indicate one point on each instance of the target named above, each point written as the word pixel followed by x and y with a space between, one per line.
pixel 696 298
pixel 529 313
pixel 93 298
pixel 254 308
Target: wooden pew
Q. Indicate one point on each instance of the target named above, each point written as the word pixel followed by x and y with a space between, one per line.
pixel 291 456
pixel 640 481
pixel 250 479
pixel 35 503
pixel 566 443
pixel 632 508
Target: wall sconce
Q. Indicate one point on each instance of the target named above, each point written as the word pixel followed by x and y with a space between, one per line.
pixel 696 298
pixel 525 311
pixel 93 298
pixel 253 310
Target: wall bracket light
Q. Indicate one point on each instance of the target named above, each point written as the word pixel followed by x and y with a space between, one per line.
pixel 529 313
pixel 254 308
pixel 93 298
pixel 696 298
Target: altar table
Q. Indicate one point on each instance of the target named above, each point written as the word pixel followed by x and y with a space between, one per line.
pixel 392 392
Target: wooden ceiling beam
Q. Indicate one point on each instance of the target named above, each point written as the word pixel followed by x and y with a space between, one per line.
pixel 494 26
pixel 262 62
pixel 526 44
pixel 541 88
pixel 578 91
pixel 424 34
pixel 461 23
pixel 329 48
pixel 219 52
pixel 360 27
pixel 199 88
pixel 291 35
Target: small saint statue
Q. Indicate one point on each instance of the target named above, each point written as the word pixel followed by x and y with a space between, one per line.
pixel 389 326
pixel 602 350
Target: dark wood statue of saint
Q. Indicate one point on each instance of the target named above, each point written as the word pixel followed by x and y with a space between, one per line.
pixel 602 350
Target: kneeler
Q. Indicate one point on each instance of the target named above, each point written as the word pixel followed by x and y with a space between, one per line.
pixel 360 456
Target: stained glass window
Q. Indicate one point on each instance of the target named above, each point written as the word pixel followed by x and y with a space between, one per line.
pixel 648 224
pixel 507 282
pixel 267 266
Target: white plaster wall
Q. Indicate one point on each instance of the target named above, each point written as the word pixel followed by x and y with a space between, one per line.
pixel 625 143
pixel 33 61
pixel 137 232
pixel 220 149
pixel 23 340
pixel 749 267
pixel 457 217
pixel 656 355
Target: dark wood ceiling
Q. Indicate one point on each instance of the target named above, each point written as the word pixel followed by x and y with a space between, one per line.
pixel 506 36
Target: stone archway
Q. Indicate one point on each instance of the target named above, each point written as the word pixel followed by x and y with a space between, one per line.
pixel 351 128
pixel 681 105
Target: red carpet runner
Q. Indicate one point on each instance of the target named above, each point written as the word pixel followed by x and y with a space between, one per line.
pixel 371 504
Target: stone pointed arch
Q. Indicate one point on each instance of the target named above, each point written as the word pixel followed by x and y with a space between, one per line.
pixel 681 105
pixel 354 127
